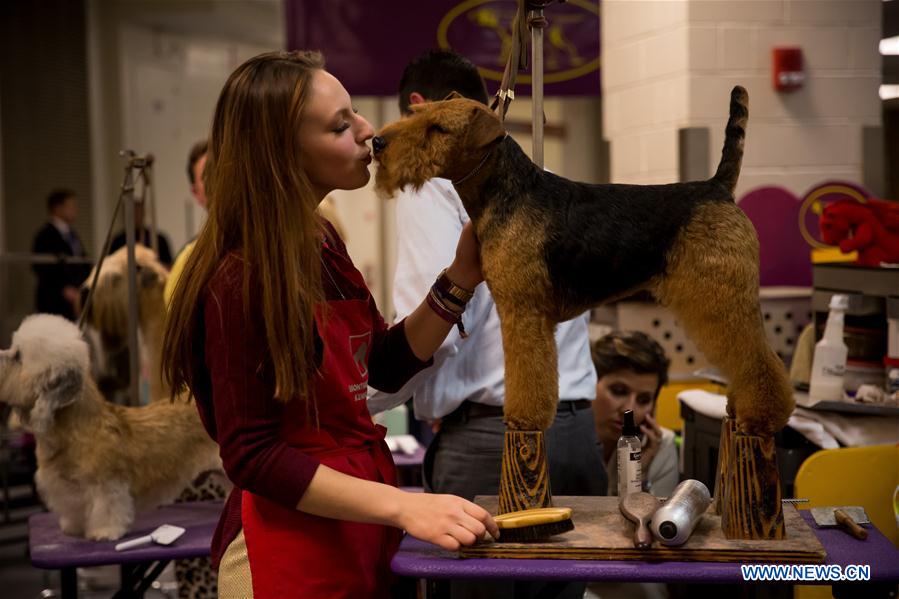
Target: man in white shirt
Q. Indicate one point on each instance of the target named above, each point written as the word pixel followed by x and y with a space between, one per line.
pixel 464 389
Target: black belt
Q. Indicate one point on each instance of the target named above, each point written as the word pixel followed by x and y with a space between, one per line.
pixel 574 405
pixel 469 409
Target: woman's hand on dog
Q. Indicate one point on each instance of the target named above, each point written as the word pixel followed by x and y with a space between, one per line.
pixel 465 271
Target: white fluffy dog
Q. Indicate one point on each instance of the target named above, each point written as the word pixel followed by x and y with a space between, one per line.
pixel 98 462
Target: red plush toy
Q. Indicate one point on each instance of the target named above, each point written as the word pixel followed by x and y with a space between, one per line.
pixel 871 228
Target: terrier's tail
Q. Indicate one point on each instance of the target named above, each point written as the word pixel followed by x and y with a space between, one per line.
pixel 732 155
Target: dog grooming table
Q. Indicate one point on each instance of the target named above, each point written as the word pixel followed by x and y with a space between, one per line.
pixel 51 549
pixel 417 559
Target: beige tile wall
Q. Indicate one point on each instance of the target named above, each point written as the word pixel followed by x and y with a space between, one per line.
pixel 672 64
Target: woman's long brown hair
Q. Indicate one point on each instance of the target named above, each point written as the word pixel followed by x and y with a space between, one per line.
pixel 262 207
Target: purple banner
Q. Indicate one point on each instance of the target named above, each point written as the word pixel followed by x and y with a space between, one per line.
pixel 368 43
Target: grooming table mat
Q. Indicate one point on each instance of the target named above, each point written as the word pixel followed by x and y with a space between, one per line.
pixel 49 547
pixel 602 533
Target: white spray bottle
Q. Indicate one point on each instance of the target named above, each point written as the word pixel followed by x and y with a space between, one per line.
pixel 829 363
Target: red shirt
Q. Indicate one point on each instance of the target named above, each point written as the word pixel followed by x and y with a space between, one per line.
pixel 235 385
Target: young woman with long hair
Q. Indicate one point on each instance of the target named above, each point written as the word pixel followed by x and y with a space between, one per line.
pixel 274 333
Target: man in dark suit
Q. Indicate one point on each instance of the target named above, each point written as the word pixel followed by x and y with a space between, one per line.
pixel 57 286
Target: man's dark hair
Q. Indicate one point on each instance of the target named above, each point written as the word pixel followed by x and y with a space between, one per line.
pixel 437 73
pixel 630 350
pixel 196 152
pixel 58 197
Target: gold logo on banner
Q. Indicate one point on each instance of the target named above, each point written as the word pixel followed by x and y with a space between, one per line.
pixel 558 51
pixel 813 202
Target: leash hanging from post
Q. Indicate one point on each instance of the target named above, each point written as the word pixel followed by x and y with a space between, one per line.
pixel 517 59
pixel 529 15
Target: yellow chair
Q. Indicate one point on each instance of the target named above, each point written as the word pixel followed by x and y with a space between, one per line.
pixel 667 406
pixel 865 476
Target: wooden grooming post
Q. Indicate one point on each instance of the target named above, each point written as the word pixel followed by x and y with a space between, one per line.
pixel 748 489
pixel 728 428
pixel 524 481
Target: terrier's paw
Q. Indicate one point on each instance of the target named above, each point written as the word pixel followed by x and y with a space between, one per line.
pixel 71 527
pixel 106 533
pixel 754 428
pixel 761 423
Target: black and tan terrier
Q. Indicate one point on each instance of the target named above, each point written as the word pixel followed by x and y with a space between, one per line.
pixel 553 248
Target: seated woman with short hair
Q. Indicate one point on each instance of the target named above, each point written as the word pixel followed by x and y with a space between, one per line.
pixel 631 369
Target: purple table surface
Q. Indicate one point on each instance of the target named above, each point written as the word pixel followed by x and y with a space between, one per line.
pixel 52 549
pixel 405 460
pixel 417 559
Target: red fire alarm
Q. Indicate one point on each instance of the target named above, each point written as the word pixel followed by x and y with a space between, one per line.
pixel 787 70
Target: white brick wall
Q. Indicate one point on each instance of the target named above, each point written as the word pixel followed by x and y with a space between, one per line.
pixel 672 64
pixel 737 11
pixel 665 54
pixel 702 48
pixel 842 12
pixel 737 44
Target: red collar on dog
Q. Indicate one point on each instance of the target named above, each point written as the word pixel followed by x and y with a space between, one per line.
pixel 481 163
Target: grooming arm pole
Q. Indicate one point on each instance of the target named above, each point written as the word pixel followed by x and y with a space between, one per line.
pixel 537 22
pixel 133 350
pixel 150 202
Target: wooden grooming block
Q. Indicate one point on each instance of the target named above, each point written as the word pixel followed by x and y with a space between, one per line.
pixel 728 428
pixel 524 480
pixel 639 508
pixel 752 499
pixel 533 524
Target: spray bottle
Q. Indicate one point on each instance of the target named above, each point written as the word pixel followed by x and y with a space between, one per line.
pixel 829 363
pixel 630 477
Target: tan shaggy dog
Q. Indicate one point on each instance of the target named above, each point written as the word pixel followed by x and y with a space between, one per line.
pixel 552 248
pixel 108 316
pixel 98 463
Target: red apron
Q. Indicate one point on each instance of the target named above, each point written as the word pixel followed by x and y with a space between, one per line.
pixel 294 554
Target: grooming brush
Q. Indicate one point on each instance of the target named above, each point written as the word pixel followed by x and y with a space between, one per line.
pixel 533 525
pixel 639 508
pixel 164 535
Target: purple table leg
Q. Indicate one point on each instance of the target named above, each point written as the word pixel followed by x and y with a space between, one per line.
pixel 69 583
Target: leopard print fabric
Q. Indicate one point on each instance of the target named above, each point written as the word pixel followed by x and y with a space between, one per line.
pixel 196 578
